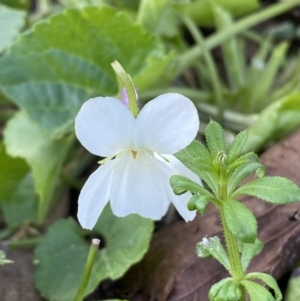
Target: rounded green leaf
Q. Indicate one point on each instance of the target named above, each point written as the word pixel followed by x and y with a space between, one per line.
pixel 276 190
pixel 240 221
pixel 63 251
pixel 18 200
pixel 24 138
pixel 67 59
pixel 11 22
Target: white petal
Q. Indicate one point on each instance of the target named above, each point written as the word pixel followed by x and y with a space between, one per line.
pixel 105 126
pixel 166 124
pixel 180 169
pixel 137 187
pixel 95 195
pixel 180 203
pixel 175 167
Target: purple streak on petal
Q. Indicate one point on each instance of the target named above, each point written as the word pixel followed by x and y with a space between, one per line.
pixel 125 99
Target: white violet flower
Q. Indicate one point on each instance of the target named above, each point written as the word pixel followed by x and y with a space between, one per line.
pixel 137 178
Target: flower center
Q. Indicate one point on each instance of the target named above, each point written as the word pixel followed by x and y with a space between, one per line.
pixel 134 153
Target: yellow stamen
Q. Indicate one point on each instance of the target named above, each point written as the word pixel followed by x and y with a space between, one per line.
pixel 134 153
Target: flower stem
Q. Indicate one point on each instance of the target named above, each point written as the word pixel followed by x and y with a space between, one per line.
pixel 236 270
pixel 88 269
pixel 188 58
pixel 232 249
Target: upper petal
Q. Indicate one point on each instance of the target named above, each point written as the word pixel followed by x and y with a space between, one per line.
pixel 105 126
pixel 95 195
pixel 166 124
pixel 137 187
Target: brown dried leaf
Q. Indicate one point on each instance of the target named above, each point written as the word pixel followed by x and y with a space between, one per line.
pixel 16 277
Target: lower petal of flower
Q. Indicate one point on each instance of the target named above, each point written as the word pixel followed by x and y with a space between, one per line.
pixel 175 167
pixel 137 187
pixel 95 195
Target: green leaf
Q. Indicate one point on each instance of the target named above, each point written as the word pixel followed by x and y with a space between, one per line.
pixel 230 48
pixel 199 203
pixel 241 173
pixel 197 155
pixel 256 291
pixel 213 246
pixel 249 251
pixel 276 190
pixel 83 3
pixel 158 17
pixel 236 147
pixel 198 159
pixel 215 138
pixel 12 171
pixel 63 246
pixel 23 4
pixel 121 4
pixel 201 10
pixel 240 221
pixel 247 158
pixel 24 138
pixel 181 184
pixel 269 281
pixel 292 292
pixel 229 292
pixel 214 290
pixel 11 22
pixel 264 81
pixel 277 120
pixel 74 63
pixel 22 206
pixel 17 195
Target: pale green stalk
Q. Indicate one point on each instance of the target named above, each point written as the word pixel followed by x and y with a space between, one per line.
pixel 88 270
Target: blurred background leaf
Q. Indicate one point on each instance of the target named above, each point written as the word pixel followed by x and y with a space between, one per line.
pixel 74 51
pixel 11 22
pixel 125 242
